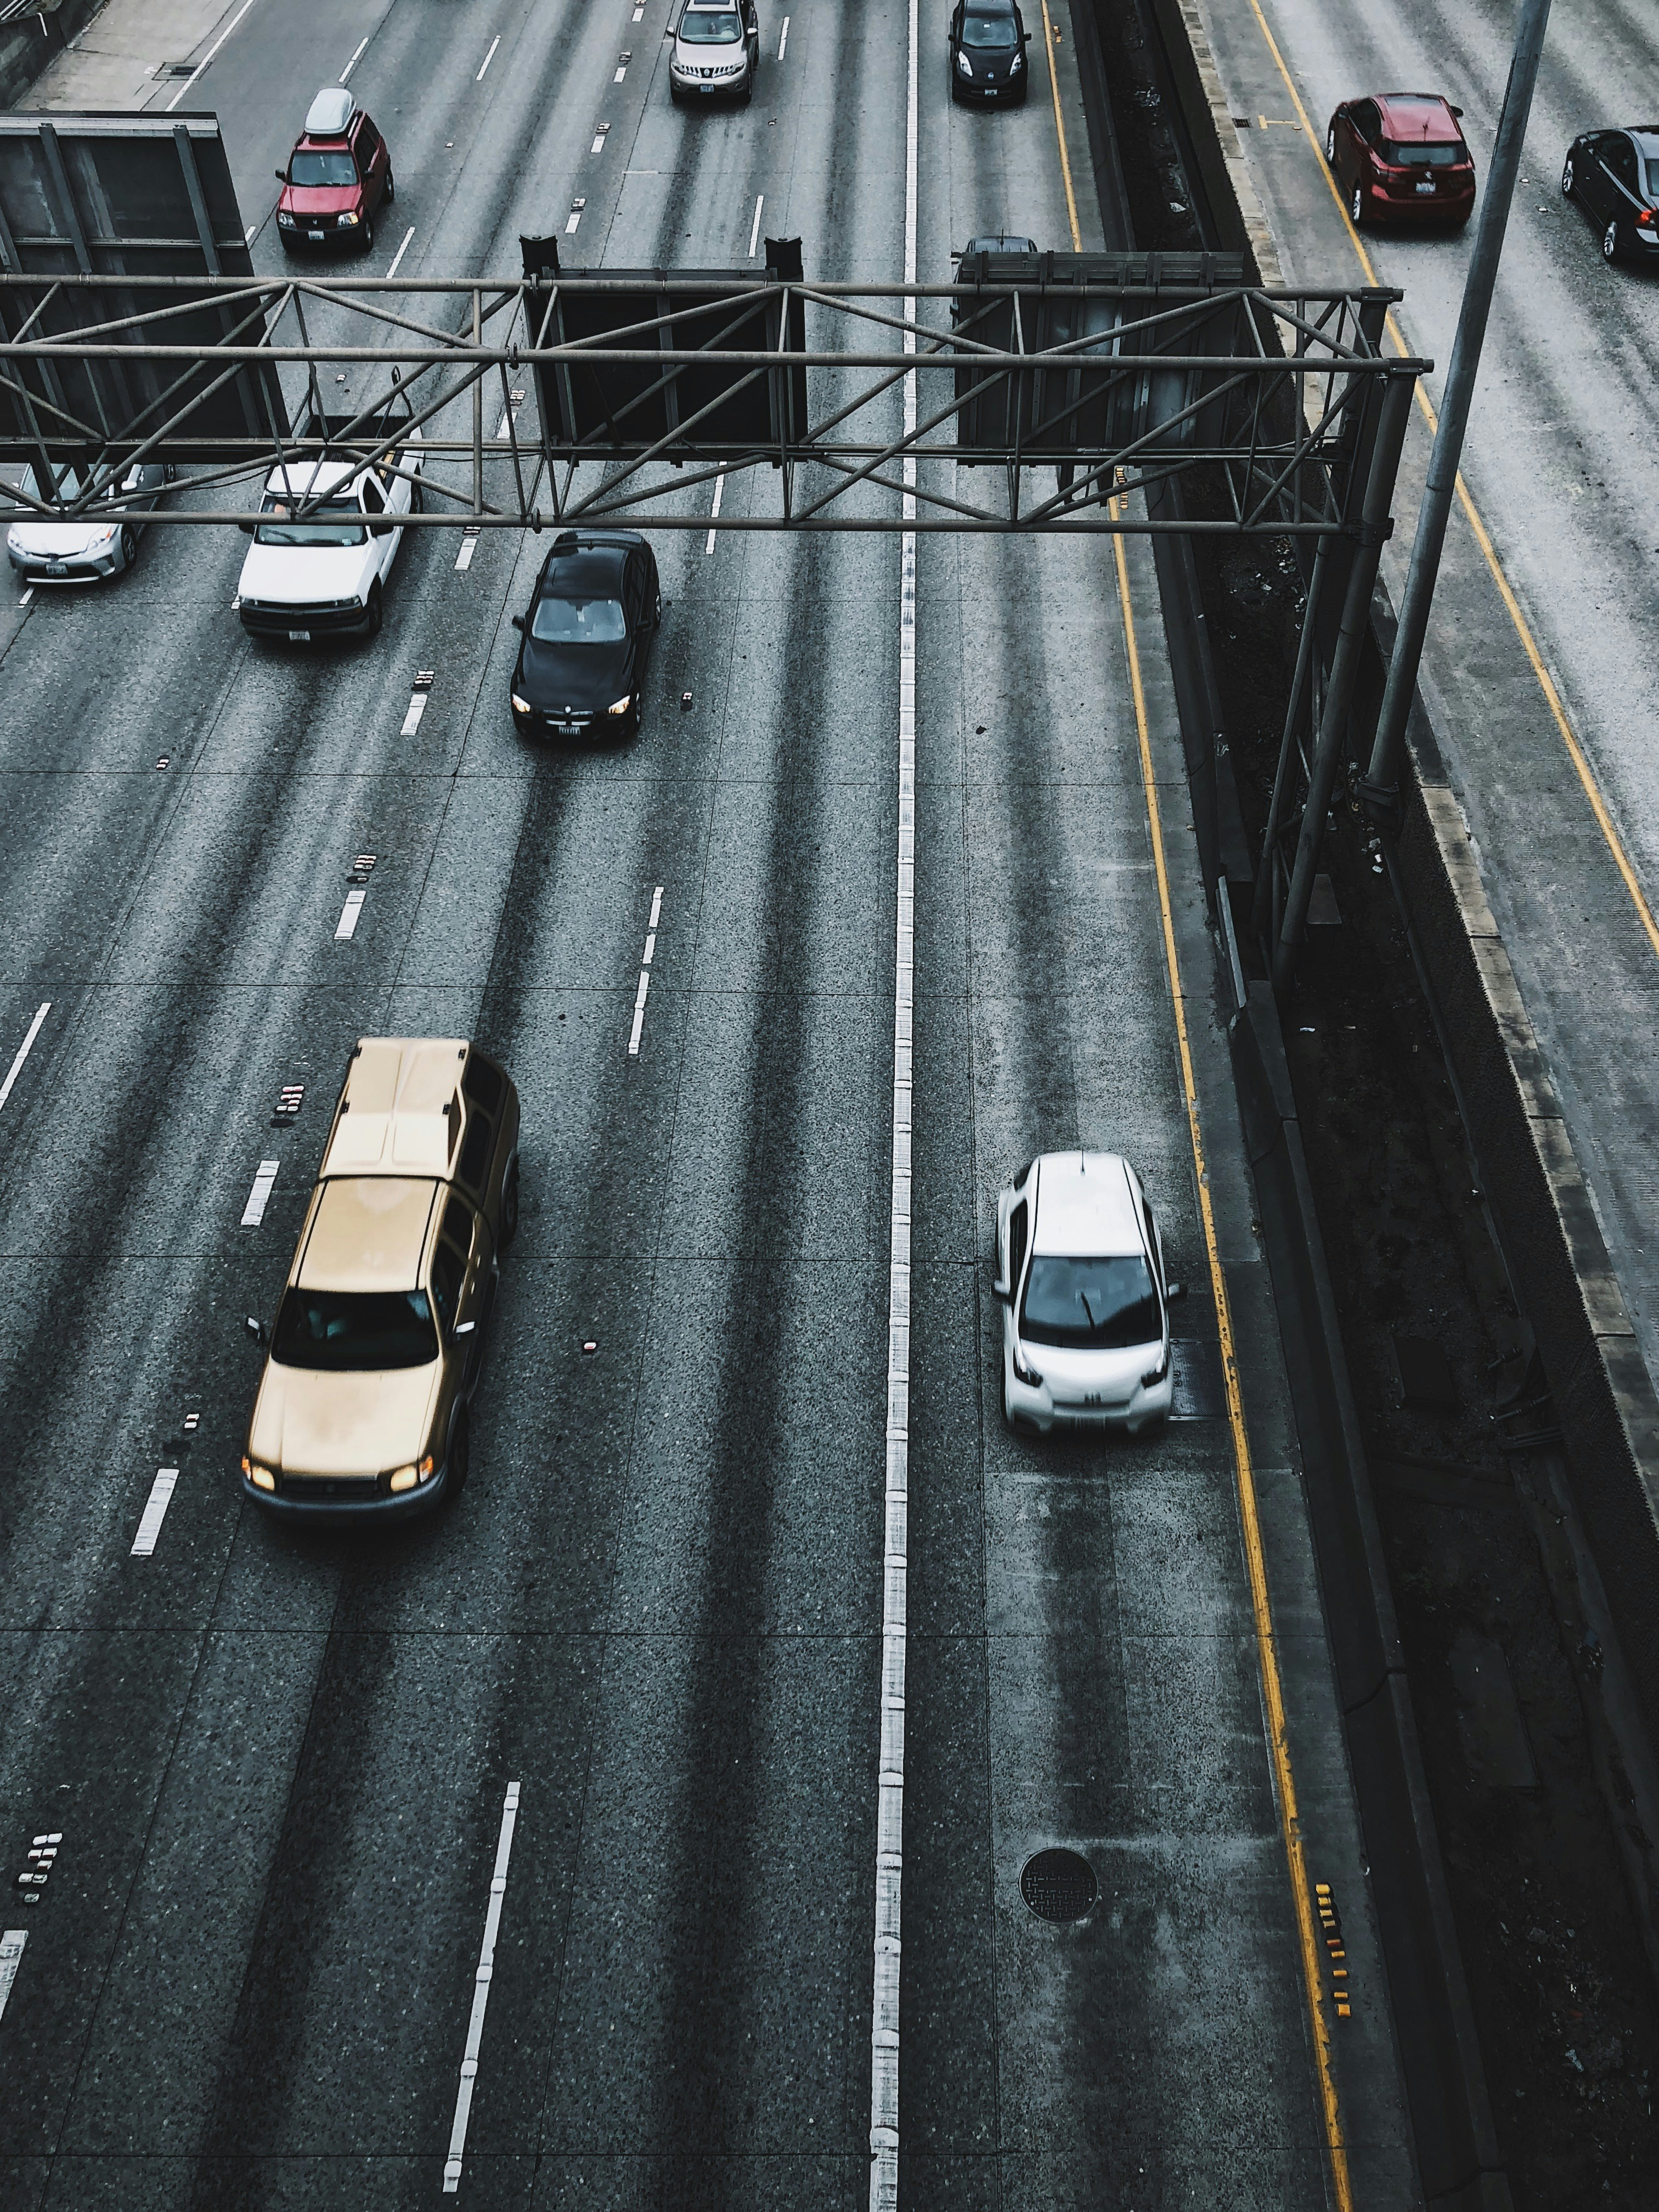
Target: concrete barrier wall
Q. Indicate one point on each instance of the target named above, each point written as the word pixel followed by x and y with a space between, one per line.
pixel 26 46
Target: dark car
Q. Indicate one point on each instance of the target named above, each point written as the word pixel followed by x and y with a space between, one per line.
pixel 1614 177
pixel 586 635
pixel 1400 157
pixel 338 177
pixel 988 39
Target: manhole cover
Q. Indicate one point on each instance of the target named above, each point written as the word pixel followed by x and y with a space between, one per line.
pixel 1058 1886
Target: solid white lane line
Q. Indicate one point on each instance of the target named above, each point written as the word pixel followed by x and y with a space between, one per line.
pixel 639 1014
pixel 753 229
pixel 149 1521
pixel 784 40
pixel 208 55
pixel 412 720
pixel 402 250
pixel 353 63
pixel 24 1050
pixel 254 1211
pixel 481 1993
pixel 889 1788
pixel 11 1950
pixel 487 58
pixel 715 511
pixel 346 925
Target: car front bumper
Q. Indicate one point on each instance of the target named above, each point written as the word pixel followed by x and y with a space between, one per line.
pixel 323 1505
pixel 1004 93
pixel 266 619
pixel 693 81
pixel 78 568
pixel 1039 1407
pixel 574 726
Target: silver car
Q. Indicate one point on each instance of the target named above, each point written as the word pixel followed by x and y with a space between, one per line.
pixel 716 51
pixel 94 544
pixel 1084 1296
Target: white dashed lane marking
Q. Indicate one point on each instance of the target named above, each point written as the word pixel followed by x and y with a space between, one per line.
pixel 24 1050
pixel 469 546
pixel 487 58
pixel 481 1993
pixel 398 256
pixel 11 1952
pixel 155 1512
pixel 715 511
pixel 353 63
pixel 645 973
pixel 347 925
pixel 754 229
pixel 784 40
pixel 254 1211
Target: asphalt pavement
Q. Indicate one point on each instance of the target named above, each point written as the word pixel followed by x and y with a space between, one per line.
pixel 641 1658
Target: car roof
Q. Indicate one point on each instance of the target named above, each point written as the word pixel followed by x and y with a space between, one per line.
pixel 368 1234
pixel 1418 115
pixel 1086 1206
pixel 1646 136
pixel 401 1110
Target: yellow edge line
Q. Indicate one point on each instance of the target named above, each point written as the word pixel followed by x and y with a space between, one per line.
pixel 1059 132
pixel 1575 754
pixel 1273 1695
pixel 1256 1560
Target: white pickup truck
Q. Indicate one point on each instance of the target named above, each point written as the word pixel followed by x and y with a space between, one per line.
pixel 314 571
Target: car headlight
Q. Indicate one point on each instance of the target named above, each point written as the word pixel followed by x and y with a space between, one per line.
pixel 1016 64
pixel 348 220
pixel 103 536
pixel 262 1478
pixel 284 218
pixel 1028 1376
pixel 405 1478
pixel 963 64
pixel 1156 1374
pixel 520 706
pixel 621 705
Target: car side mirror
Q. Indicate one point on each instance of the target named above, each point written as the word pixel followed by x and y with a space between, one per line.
pixel 1002 1292
pixel 245 525
pixel 1025 38
pixel 379 530
pixel 1175 1292
pixel 281 175
pixel 256 1328
pixel 1457 111
pixel 517 624
pixel 464 1328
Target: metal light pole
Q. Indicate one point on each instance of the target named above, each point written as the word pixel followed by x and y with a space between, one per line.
pixel 1380 787
pixel 1345 664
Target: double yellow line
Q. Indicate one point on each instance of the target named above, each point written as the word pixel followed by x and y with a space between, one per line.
pixel 1266 1643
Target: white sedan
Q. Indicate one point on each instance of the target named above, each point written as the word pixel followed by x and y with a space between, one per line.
pixel 94 544
pixel 313 571
pixel 1084 1296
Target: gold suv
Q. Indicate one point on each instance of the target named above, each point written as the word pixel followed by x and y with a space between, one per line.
pixel 362 1406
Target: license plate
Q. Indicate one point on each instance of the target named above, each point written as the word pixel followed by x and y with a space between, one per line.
pixel 316 236
pixel 57 569
pixel 704 87
pixel 1428 187
pixel 566 729
pixel 299 637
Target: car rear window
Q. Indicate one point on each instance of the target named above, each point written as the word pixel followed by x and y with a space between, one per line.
pixel 354 1332
pixel 315 168
pixel 1430 154
pixel 1090 1305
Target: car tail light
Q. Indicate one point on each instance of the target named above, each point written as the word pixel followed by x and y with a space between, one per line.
pixel 1644 221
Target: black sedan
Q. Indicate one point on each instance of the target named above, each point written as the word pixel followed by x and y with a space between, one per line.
pixel 988 39
pixel 1614 177
pixel 586 636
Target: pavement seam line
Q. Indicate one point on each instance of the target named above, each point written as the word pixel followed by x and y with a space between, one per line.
pixel 1272 1695
pixel 889 1780
pixel 1576 752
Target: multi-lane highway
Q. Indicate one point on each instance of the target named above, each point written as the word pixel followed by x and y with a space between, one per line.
pixel 635 1674
pixel 1563 470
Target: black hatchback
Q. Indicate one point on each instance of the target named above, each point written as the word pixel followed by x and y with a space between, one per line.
pixel 988 39
pixel 586 636
pixel 1614 177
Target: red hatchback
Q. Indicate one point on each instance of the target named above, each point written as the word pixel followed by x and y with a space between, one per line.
pixel 1400 157
pixel 338 177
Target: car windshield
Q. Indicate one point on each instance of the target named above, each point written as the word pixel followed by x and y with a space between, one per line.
pixel 707 27
pixel 354 1332
pixel 1416 153
pixel 1652 169
pixel 993 31
pixel 579 621
pixel 315 168
pixel 1090 1305
pixel 336 522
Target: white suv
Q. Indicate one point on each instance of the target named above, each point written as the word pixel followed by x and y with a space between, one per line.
pixel 1080 1276
pixel 716 49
